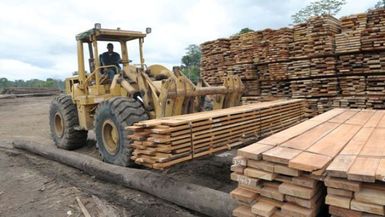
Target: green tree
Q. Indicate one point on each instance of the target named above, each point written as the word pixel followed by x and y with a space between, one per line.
pixel 318 8
pixel 380 4
pixel 191 62
pixel 245 30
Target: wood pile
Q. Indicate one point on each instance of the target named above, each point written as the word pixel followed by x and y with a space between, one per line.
pixel 353 85
pixel 322 66
pixel 349 40
pixel 243 70
pixel 213 60
pixel 346 57
pixel 319 87
pixel 354 102
pixel 321 36
pixel 285 174
pixel 355 182
pixel 161 143
pixel 314 38
pixel 373 37
pixel 299 69
pixel 275 88
pixel 246 100
pixel 375 102
pixel 273 71
pixel 252 87
pixel 300 47
pixel 273 46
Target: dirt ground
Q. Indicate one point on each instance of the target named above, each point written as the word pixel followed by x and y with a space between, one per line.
pixel 33 186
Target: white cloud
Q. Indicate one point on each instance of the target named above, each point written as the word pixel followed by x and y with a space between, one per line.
pixel 38 36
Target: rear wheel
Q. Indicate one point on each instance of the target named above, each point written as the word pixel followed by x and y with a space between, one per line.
pixel 111 118
pixel 63 122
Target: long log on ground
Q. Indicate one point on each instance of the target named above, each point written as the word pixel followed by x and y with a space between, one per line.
pixel 198 198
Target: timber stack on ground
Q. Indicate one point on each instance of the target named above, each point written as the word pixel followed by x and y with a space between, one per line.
pixel 161 143
pixel 329 62
pixel 285 174
pixel 355 182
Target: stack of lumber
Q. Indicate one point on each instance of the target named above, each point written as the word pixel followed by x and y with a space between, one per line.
pixel 376 85
pixel 252 87
pixel 273 46
pixel 349 40
pixel 243 70
pixel 323 66
pixel 299 69
pixel 273 71
pixel 319 87
pixel 354 102
pixel 373 37
pixel 300 47
pixel 213 66
pixel 246 100
pixel 249 44
pixel 353 85
pixel 355 182
pixel 346 56
pixel 275 88
pixel 351 64
pixel 315 38
pixel 321 35
pixel 161 143
pixel 375 102
pixel 282 175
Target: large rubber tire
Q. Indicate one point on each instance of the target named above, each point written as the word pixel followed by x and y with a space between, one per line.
pixel 111 118
pixel 64 124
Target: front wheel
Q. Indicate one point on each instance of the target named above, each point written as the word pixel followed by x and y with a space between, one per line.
pixel 64 124
pixel 111 119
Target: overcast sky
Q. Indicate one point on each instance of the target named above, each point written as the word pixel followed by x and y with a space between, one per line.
pixel 37 37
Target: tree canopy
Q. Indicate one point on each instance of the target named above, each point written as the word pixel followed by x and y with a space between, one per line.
pixel 317 8
pixel 380 4
pixel 49 82
pixel 191 62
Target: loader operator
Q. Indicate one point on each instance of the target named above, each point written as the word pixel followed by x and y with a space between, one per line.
pixel 110 58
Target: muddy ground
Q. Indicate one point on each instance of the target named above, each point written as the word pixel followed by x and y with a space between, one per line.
pixel 33 186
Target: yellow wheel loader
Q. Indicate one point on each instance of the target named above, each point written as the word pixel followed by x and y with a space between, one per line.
pixel 137 92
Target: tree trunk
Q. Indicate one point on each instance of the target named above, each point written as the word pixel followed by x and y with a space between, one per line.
pixel 198 198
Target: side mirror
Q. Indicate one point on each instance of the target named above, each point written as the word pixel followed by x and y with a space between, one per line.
pixel 148 30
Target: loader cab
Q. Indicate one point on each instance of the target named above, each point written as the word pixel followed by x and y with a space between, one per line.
pixel 88 41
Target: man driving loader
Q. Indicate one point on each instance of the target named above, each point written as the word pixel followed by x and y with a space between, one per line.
pixel 110 58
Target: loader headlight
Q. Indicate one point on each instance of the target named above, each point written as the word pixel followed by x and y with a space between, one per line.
pixel 148 30
pixel 98 26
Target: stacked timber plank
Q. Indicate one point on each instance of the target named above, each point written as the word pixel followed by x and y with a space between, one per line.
pixel 273 71
pixel 300 47
pixel 347 56
pixel 275 88
pixel 322 31
pixel 161 143
pixel 276 176
pixel 246 100
pixel 284 174
pixel 355 182
pixel 355 102
pixel 349 40
pixel 252 87
pixel 373 37
pixel 213 60
pixel 353 85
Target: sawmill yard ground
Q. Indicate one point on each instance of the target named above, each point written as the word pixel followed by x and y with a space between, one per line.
pixel 33 186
